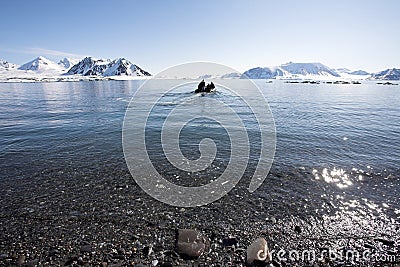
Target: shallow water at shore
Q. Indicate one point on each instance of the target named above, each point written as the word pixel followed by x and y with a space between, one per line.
pixel 335 173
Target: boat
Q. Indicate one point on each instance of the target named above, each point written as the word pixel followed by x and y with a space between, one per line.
pixel 204 89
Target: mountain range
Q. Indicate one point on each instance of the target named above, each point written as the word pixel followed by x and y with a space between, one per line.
pixel 317 71
pixel 42 64
pixel 301 71
pixel 7 65
pixel 100 67
pixel 91 68
pixel 70 69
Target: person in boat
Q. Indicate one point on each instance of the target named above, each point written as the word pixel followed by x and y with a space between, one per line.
pixel 200 87
pixel 209 87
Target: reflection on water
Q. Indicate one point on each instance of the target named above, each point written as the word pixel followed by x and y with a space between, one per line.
pixel 338 144
pixel 337 176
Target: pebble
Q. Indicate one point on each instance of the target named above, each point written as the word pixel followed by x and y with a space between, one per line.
pixel 31 263
pixel 190 243
pixel 278 264
pixel 297 229
pixel 80 261
pixel 231 241
pixel 147 250
pixel 385 241
pixel 258 252
pixel 21 260
pixel 86 248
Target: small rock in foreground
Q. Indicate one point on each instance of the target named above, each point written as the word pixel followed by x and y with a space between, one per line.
pixel 190 243
pixel 258 253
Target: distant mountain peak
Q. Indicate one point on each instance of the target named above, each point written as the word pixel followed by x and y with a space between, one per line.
pixel 389 74
pixel 360 72
pixel 290 70
pixel 314 68
pixel 105 67
pixel 4 64
pixel 40 64
pixel 67 63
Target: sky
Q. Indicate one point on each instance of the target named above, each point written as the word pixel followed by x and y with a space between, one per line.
pixel 355 34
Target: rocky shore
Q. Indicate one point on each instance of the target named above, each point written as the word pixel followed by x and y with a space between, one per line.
pixel 67 217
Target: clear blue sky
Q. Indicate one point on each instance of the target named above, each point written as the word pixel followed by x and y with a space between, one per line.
pixel 358 34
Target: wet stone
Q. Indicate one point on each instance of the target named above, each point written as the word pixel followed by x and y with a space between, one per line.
pixel 86 248
pixel 147 250
pixel 32 263
pixel 70 260
pixel 385 241
pixel 228 242
pixel 80 261
pixel 166 264
pixel 190 243
pixel 258 253
pixel 54 252
pixel 21 259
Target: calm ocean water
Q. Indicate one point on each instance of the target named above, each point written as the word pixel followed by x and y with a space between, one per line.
pixel 345 136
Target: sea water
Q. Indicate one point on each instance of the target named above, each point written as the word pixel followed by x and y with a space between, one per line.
pixel 336 142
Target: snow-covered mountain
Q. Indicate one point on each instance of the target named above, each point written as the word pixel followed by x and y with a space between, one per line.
pixel 43 69
pixel 233 75
pixel 291 71
pixel 308 69
pixel 342 70
pixel 67 63
pixel 101 67
pixel 122 66
pixel 89 66
pixel 262 73
pixel 352 75
pixel 7 65
pixel 389 74
pixel 41 64
pixel 359 72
